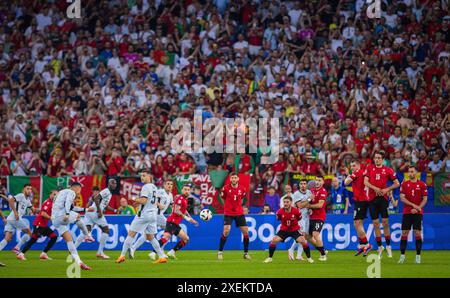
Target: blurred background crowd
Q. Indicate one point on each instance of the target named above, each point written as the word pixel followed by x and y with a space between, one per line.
pixel 96 95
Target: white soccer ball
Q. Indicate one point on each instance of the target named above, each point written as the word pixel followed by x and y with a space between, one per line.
pixel 205 214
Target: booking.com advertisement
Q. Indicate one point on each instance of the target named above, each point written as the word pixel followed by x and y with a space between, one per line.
pixel 338 233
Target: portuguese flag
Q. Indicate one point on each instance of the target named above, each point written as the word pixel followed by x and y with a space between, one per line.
pixel 16 183
pixel 87 183
pixel 43 186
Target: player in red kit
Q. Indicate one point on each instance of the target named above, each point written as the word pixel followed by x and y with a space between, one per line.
pixel 413 193
pixel 361 205
pixel 376 177
pixel 289 217
pixel 41 228
pixel 233 195
pixel 318 215
pixel 179 212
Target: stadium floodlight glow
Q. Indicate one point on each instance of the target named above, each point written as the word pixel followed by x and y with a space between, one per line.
pixel 239 133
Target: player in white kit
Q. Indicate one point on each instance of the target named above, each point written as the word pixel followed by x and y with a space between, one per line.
pixel 145 219
pixel 63 214
pixel 96 217
pixel 300 199
pixel 19 205
pixel 164 199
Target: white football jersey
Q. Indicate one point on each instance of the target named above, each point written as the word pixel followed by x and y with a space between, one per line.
pixel 63 203
pixel 301 197
pixel 148 191
pixel 105 198
pixel 22 203
pixel 164 198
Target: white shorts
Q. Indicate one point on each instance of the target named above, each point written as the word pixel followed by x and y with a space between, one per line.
pixel 91 219
pixel 304 225
pixel 161 221
pixel 13 225
pixel 145 223
pixel 63 226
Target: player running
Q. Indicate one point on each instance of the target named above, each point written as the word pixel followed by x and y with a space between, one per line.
pixel 145 219
pixel 318 215
pixel 96 217
pixel 41 228
pixel 233 195
pixel 179 212
pixel 361 205
pixel 164 200
pixel 19 205
pixel 413 194
pixel 375 179
pixel 289 217
pixel 301 198
pixel 64 213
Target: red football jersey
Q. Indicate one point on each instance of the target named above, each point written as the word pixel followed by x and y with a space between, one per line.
pixel 233 198
pixel 359 189
pixel 183 203
pixel 414 192
pixel 319 194
pixel 378 177
pixel 41 221
pixel 289 219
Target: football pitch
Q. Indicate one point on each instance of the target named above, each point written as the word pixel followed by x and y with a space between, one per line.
pixel 195 264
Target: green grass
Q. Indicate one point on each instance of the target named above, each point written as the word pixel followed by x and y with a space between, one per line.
pixel 205 264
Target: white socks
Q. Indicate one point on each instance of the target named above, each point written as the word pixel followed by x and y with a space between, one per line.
pixel 3 243
pixel 80 224
pixel 80 239
pixel 138 243
pixel 157 247
pixel 126 245
pixel 22 241
pixel 294 246
pixel 73 252
pixel 103 239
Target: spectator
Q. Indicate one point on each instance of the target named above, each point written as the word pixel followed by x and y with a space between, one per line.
pixel 266 210
pixel 435 164
pixel 124 208
pixel 114 162
pixel 339 82
pixel 338 197
pixel 272 198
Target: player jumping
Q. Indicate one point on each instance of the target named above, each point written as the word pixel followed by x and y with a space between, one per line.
pixel 413 193
pixel 145 219
pixel 96 217
pixel 361 205
pixel 179 212
pixel 233 195
pixel 164 200
pixel 318 215
pixel 375 179
pixel 41 228
pixel 19 205
pixel 301 198
pixel 63 214
pixel 289 217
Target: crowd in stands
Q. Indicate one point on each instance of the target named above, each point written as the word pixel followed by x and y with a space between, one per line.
pixel 96 95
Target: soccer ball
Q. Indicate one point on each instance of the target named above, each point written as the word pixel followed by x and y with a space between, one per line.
pixel 205 214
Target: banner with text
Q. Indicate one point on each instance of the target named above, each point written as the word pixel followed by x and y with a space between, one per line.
pixel 338 233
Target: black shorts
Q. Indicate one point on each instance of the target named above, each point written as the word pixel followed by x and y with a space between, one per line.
pixel 360 210
pixel 239 220
pixel 378 206
pixel 315 225
pixel 412 220
pixel 285 234
pixel 172 228
pixel 43 231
